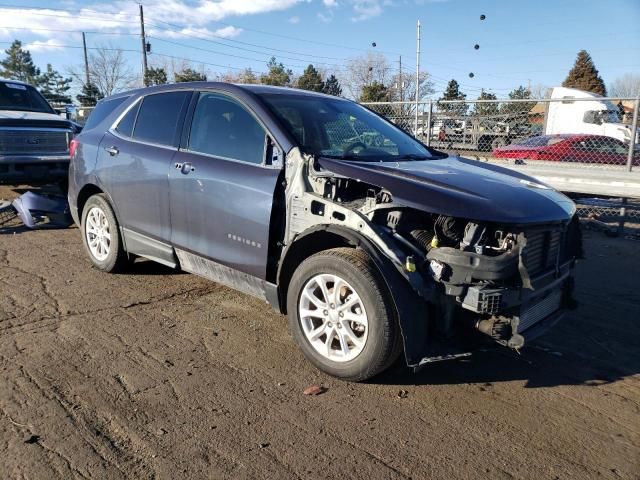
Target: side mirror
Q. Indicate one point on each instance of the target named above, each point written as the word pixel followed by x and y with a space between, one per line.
pixel 590 117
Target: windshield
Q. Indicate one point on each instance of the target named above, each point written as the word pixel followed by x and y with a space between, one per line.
pixel 541 141
pixel 337 128
pixel 15 96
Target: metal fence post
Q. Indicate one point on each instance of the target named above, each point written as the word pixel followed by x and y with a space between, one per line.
pixel 634 130
pixel 429 115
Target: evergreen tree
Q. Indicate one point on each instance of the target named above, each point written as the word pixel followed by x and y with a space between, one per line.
pixel 311 80
pixel 518 108
pixel 190 75
pixel 90 95
pixel 155 76
pixel 18 65
pixel 54 87
pixel 332 86
pixel 375 92
pixel 277 75
pixel 486 109
pixel 453 92
pixel 584 75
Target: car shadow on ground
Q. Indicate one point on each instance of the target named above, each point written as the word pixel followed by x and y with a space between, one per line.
pixel 546 362
pixel 537 366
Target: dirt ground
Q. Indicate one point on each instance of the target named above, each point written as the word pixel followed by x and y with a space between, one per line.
pixel 159 374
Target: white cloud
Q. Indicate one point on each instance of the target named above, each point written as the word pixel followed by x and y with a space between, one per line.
pixel 325 18
pixel 294 19
pixel 46 46
pixel 330 3
pixel 365 9
pixel 122 16
pixel 228 32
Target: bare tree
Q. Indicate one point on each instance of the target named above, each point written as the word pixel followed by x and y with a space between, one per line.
pixel 244 76
pixel 407 90
pixel 538 90
pixel 365 70
pixel 109 71
pixel 627 85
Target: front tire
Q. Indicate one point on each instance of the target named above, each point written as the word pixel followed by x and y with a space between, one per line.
pixel 342 316
pixel 101 235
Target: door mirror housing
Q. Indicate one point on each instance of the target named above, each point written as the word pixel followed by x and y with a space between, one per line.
pixel 592 116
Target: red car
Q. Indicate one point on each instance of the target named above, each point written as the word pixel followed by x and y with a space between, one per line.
pixel 570 148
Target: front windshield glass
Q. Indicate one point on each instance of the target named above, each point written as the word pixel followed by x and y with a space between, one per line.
pixel 337 128
pixel 15 96
pixel 541 141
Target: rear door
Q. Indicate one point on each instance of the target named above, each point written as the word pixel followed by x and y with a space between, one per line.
pixel 135 158
pixel 222 187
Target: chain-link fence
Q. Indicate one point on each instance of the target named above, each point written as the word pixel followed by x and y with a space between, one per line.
pixel 591 132
pixel 585 146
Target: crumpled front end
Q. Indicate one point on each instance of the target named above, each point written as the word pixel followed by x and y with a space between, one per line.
pixel 509 283
pixel 459 283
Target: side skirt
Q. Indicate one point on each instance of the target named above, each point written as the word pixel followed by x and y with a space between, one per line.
pixel 147 247
pixel 227 276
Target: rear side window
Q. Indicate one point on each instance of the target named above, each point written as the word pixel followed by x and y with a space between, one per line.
pixel 224 128
pixel 102 111
pixel 159 118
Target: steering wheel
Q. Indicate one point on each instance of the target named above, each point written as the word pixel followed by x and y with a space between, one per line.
pixel 353 146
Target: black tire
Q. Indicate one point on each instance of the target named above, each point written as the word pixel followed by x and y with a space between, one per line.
pixel 383 344
pixel 116 258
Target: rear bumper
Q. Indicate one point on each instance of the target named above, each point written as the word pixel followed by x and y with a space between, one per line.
pixel 16 169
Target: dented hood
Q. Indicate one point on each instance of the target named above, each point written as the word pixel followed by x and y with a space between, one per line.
pixel 461 188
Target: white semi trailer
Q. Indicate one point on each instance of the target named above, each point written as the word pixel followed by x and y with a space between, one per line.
pixel 592 117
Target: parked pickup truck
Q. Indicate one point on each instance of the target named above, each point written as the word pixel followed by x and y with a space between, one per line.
pixel 34 139
pixel 371 248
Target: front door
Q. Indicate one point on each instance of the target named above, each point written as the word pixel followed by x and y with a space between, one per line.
pixel 221 188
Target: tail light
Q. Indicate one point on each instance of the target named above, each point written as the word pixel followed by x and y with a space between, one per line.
pixel 73 146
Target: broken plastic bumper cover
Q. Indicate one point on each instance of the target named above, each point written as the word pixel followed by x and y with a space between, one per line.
pixel 31 206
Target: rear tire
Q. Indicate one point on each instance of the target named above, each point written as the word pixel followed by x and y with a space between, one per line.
pixel 101 235
pixel 351 333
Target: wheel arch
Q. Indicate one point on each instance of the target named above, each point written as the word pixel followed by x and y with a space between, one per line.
pixel 84 194
pixel 409 307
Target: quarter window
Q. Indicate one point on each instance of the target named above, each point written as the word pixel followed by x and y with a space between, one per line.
pixel 224 128
pixel 101 111
pixel 125 126
pixel 159 118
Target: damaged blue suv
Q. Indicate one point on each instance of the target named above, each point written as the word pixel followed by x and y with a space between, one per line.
pixel 372 243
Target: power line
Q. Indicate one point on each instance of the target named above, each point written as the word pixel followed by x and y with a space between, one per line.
pixel 226 39
pixel 240 56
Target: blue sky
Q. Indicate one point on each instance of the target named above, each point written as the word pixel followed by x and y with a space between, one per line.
pixel 520 41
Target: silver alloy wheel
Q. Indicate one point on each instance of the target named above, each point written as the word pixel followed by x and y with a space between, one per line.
pixel 333 318
pixel 98 233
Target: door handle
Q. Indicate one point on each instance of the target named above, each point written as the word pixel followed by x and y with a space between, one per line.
pixel 113 151
pixel 185 168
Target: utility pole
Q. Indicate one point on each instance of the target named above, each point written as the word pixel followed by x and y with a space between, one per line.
pixel 415 130
pixel 400 81
pixel 86 60
pixel 144 47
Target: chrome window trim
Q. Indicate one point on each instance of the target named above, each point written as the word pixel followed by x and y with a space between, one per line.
pixel 229 159
pixel 112 130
